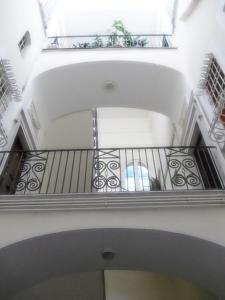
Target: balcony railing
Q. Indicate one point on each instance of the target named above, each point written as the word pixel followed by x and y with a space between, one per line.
pixel 109 41
pixel 109 170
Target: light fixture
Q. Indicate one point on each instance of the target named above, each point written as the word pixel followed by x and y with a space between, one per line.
pixel 109 85
pixel 108 254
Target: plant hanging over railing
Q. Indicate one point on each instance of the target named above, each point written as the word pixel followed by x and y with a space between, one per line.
pixel 118 37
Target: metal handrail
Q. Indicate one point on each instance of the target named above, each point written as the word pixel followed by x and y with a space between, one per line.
pixel 134 169
pixel 109 41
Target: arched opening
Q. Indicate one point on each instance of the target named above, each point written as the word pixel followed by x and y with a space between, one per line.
pixel 79 87
pixel 30 262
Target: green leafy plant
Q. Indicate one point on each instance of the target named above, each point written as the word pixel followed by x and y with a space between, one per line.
pixel 120 29
pixel 97 43
pixel 121 37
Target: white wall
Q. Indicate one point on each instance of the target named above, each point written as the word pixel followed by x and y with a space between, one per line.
pixel 126 127
pixel 70 131
pixel 202 32
pixel 202 222
pixel 131 285
pixel 17 17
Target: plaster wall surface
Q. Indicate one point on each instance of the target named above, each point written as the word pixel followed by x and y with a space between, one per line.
pixel 125 127
pixel 124 285
pixel 206 223
pixel 119 285
pixel 80 286
pixel 17 17
pixel 45 257
pixel 202 32
pixel 70 131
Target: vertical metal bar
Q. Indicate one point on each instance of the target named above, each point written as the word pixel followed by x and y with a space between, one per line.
pixel 134 171
pixel 64 175
pixel 85 176
pixel 172 185
pixel 140 163
pixel 71 175
pixel 78 175
pixel 120 171
pixel 149 178
pixel 214 181
pixel 216 169
pixel 162 169
pixel 92 172
pixel 17 171
pixel 202 167
pixel 126 169
pixel 57 175
pixel 153 158
pixel 43 176
pixel 50 174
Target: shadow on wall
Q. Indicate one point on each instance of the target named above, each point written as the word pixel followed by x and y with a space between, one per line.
pixel 38 259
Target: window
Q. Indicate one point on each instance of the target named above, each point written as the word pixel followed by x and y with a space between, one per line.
pixel 137 177
pixel 3 85
pixel 24 42
pixel 212 83
pixel 215 81
pixel 4 89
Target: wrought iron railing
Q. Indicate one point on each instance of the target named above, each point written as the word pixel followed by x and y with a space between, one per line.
pixel 109 170
pixel 110 41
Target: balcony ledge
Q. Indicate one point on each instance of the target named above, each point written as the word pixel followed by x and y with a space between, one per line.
pixel 112 201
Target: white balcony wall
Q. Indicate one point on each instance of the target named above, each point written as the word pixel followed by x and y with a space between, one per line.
pixel 200 33
pixel 17 17
pixel 69 132
pixel 126 127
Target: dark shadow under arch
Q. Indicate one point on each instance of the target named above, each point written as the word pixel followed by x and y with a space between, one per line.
pixel 31 261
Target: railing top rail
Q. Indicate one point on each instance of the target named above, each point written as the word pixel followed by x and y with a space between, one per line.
pixel 113 148
pixel 107 35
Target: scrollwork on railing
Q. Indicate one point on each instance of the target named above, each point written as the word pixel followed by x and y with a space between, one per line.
pixel 31 172
pixel 183 169
pixel 113 170
pixel 106 171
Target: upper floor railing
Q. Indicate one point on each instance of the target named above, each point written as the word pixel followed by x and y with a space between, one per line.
pixel 110 41
pixel 109 170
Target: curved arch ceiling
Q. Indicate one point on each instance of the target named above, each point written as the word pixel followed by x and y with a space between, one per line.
pixel 83 86
pixel 37 259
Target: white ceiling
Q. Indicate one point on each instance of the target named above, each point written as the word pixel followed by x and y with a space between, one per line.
pixel 78 87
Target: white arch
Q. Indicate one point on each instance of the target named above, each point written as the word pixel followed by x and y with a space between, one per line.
pixel 78 87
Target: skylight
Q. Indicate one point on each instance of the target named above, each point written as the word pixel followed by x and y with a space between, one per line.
pixel 89 17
